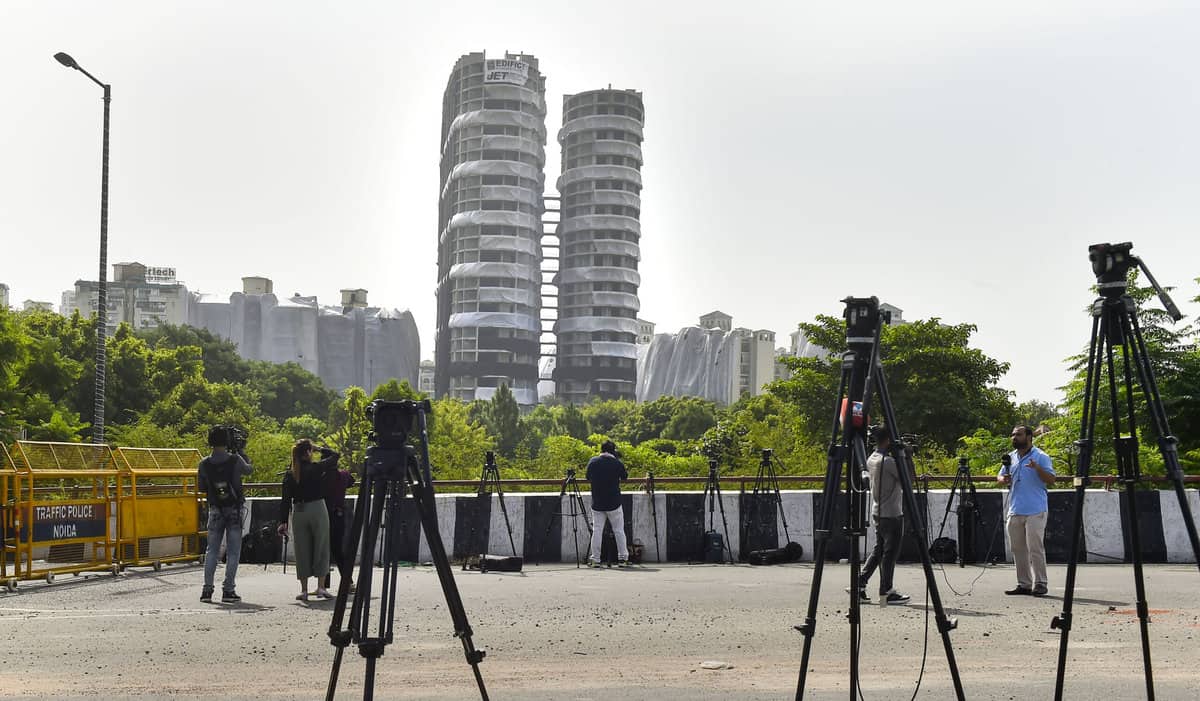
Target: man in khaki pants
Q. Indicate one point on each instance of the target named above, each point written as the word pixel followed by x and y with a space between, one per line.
pixel 1030 474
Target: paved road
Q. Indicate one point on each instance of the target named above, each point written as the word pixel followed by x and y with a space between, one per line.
pixel 558 633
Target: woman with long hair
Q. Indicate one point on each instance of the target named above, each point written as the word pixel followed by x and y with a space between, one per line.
pixel 304 499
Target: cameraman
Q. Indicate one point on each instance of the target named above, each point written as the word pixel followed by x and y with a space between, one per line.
pixel 606 472
pixel 220 477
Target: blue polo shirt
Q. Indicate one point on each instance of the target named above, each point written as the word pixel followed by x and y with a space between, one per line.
pixel 1029 492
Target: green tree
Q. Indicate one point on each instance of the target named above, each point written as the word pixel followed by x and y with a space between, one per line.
pixel 305 426
pixel 220 357
pixel 349 426
pixel 287 389
pixel 395 391
pixel 689 420
pixel 573 422
pixel 457 447
pixel 603 415
pixel 502 417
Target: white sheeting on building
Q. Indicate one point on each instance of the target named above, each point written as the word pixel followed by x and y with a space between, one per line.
pixel 495 320
pixel 695 363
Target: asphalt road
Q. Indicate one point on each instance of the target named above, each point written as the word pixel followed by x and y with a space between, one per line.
pixel 561 633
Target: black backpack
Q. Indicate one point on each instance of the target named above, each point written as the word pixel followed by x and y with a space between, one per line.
pixel 222 490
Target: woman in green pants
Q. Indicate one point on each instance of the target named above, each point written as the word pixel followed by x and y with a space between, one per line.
pixel 303 498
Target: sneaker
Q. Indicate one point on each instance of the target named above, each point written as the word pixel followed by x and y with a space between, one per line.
pixel 893 597
pixel 230 596
pixel 206 595
pixel 1019 591
pixel 622 563
pixel 862 593
pixel 1040 590
pixel 592 564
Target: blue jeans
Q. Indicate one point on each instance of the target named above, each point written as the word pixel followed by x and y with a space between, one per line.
pixel 889 533
pixel 223 523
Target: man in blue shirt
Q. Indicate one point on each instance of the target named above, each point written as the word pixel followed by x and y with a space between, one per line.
pixel 1030 474
pixel 606 472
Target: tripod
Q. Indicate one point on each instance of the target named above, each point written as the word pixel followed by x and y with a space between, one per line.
pixel 488 479
pixel 1115 325
pixel 570 489
pixel 391 471
pixel 862 374
pixel 648 487
pixel 764 483
pixel 968 504
pixel 712 496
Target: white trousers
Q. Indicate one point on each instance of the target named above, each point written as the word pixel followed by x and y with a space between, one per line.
pixel 1026 536
pixel 617 518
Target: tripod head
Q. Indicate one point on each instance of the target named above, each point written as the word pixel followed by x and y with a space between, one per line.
pixel 1111 263
pixel 766 457
pixel 489 459
pixel 712 469
pixel 862 315
pixel 963 468
pixel 571 473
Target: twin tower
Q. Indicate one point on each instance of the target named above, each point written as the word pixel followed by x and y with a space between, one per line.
pixel 507 276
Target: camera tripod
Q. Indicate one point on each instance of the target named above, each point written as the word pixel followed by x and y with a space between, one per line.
pixel 577 508
pixel 489 479
pixel 766 484
pixel 862 375
pixel 712 497
pixel 391 471
pixel 1115 325
pixel 648 488
pixel 967 512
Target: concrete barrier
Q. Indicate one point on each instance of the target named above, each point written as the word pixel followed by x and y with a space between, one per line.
pixel 542 526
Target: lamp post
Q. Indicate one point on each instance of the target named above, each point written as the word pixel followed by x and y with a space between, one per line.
pixel 102 295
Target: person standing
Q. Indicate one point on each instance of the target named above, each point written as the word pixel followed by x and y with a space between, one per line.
pixel 220 477
pixel 887 513
pixel 336 484
pixel 1030 473
pixel 606 472
pixel 304 499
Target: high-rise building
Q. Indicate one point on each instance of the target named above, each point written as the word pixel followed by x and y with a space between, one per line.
pixel 3 296
pixel 144 297
pixel 490 228
pixel 599 238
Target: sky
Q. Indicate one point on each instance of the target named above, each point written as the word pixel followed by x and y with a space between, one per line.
pixel 953 158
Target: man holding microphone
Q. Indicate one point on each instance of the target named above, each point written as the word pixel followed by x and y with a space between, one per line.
pixel 1030 474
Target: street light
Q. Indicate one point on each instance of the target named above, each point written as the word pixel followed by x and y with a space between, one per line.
pixel 102 301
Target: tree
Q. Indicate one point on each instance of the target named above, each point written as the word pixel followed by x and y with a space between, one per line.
pixel 689 420
pixel 574 423
pixel 287 390
pixel 603 415
pixel 349 426
pixel 457 447
pixel 395 391
pixel 502 417
pixel 219 356
pixel 941 388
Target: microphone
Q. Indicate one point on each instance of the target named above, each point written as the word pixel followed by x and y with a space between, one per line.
pixel 1006 461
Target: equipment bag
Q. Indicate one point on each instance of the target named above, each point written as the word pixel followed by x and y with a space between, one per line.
pixel 792 552
pixel 944 550
pixel 221 490
pixel 500 563
pixel 714 547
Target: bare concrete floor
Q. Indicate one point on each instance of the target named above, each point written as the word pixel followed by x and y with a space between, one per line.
pixel 555 632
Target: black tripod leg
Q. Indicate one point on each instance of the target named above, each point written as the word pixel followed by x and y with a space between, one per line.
pixel 550 522
pixel 724 523
pixel 1087 428
pixel 423 495
pixel 338 636
pixel 507 524
pixel 833 478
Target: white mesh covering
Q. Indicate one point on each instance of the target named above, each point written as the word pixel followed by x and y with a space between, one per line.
pixel 601 172
pixel 694 363
pixel 507 270
pixel 523 396
pixel 363 347
pixel 495 320
pixel 596 323
pixel 614 349
pixel 588 222
pixel 622 248
pixel 596 274
pixel 509 295
pixel 490 242
pixel 600 121
pixel 616 299
pixel 498 117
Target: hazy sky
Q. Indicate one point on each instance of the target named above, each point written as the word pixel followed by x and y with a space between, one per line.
pixel 955 159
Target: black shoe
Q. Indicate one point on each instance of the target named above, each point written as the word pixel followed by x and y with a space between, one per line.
pixel 206 595
pixel 895 597
pixel 1019 591
pixel 230 596
pixel 862 593
pixel 1040 591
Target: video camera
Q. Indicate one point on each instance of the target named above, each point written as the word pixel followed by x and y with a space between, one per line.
pixel 392 421
pixel 235 438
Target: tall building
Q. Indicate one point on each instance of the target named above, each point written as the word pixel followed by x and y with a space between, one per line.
pixel 714 360
pixel 142 296
pixel 490 228
pixel 3 296
pixel 599 235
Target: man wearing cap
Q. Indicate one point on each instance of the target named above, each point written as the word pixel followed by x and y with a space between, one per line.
pixel 606 472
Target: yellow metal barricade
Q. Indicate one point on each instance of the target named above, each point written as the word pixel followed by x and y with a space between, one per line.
pixel 159 515
pixel 60 501
pixel 8 512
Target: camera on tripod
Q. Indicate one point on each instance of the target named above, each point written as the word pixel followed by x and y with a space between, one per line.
pixel 392 421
